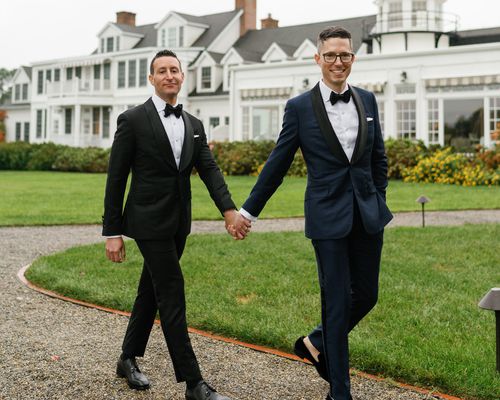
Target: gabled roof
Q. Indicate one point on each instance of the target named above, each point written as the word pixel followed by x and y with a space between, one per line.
pixel 217 23
pixel 27 70
pixel 476 36
pixel 255 42
pixel 218 92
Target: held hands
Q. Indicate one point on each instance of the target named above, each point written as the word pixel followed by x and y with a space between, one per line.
pixel 237 225
pixel 115 249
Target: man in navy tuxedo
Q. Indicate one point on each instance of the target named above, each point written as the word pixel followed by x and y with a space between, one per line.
pixel 337 128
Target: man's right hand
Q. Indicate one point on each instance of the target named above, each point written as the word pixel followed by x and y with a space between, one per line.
pixel 115 249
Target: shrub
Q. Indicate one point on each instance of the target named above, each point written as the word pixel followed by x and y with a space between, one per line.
pixel 44 156
pixel 89 159
pixel 15 155
pixel 452 168
pixel 241 158
pixel 402 154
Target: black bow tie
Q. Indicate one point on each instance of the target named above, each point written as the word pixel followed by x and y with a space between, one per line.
pixel 345 97
pixel 177 110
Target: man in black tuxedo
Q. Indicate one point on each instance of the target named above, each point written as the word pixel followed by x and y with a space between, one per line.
pixel 160 143
pixel 337 128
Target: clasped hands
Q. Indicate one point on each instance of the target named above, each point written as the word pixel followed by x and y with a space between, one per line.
pixel 236 224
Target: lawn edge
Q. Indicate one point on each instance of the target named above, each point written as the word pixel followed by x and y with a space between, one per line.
pixel 22 278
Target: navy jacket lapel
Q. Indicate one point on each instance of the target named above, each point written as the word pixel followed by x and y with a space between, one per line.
pixel 188 145
pixel 325 126
pixel 362 127
pixel 163 144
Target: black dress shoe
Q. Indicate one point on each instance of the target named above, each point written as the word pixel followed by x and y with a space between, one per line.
pixel 135 378
pixel 302 351
pixel 328 397
pixel 203 391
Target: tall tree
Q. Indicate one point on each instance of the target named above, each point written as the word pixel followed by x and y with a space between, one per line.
pixel 5 76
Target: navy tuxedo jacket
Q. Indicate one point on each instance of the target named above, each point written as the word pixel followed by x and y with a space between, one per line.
pixel 158 204
pixel 332 180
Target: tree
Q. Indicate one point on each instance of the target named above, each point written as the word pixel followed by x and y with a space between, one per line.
pixel 5 76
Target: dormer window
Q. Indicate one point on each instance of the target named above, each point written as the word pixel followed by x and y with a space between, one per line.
pixel 206 77
pixel 172 37
pixel 109 44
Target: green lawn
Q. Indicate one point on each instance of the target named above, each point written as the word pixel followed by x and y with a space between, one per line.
pixel 54 198
pixel 426 329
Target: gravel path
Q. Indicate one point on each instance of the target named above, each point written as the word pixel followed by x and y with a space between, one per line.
pixel 51 349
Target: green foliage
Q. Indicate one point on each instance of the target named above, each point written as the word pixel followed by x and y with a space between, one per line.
pixel 241 158
pixel 401 154
pixel 89 159
pixel 426 329
pixel 43 157
pixel 15 156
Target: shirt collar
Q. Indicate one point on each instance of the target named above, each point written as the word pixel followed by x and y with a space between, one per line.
pixel 325 90
pixel 159 103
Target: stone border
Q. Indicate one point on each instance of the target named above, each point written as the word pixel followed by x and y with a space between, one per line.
pixel 21 276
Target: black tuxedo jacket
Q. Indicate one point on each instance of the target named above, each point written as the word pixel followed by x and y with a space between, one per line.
pixel 159 200
pixel 332 179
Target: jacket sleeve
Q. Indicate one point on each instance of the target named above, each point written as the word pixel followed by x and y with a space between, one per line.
pixel 212 176
pixel 120 162
pixel 277 164
pixel 379 158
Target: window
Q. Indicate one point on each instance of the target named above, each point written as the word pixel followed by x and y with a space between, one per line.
pixel 57 75
pixel 69 73
pixel 143 72
pixel 39 122
pixel 245 123
pixel 97 71
pixel 132 73
pixel 381 114
pixel 78 72
pixel 102 45
pixel 105 122
pixel 18 131
pixel 48 75
pixel 395 17
pixel 433 121
pixel 55 126
pixel 17 92
pixel 117 43
pixel 96 120
pixel 406 119
pixel 206 77
pixel 214 121
pixel 109 44
pixel 107 75
pixel 26 131
pixel 463 123
pixel 163 38
pixel 226 121
pixel 68 116
pixel 121 74
pixel 181 36
pixel 25 92
pixel 39 88
pixel 418 13
pixel 264 123
pixel 495 118
pixel 172 37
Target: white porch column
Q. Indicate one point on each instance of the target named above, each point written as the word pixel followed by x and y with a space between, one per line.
pixel 77 125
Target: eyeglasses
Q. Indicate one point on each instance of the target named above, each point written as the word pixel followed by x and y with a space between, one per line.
pixel 332 57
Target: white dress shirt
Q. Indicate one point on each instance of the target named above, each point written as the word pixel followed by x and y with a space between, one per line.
pixel 344 120
pixel 174 127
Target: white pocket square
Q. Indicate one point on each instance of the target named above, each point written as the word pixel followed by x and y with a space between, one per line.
pixel 369 119
pixel 196 136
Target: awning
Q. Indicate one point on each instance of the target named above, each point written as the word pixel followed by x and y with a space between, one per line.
pixel 462 81
pixel 266 93
pixel 375 87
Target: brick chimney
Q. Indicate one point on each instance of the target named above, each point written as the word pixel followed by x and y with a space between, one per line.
pixel 249 18
pixel 125 18
pixel 269 22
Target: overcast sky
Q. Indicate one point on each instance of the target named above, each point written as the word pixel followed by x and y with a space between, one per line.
pixel 35 30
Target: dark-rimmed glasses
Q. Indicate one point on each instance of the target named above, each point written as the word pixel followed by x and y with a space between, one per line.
pixel 330 58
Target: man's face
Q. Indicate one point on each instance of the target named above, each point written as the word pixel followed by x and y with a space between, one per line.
pixel 167 77
pixel 334 74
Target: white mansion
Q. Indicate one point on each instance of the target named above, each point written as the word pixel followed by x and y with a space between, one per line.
pixel 433 82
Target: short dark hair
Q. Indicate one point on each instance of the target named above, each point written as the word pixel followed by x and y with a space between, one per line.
pixel 333 32
pixel 163 53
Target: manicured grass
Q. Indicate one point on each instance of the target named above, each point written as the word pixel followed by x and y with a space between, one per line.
pixel 427 328
pixel 55 198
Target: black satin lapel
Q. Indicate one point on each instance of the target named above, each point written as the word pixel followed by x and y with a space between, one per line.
pixel 362 127
pixel 188 145
pixel 163 144
pixel 325 126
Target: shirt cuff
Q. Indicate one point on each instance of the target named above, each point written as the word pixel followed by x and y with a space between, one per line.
pixel 113 237
pixel 247 215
